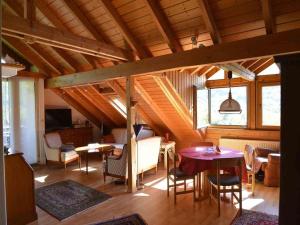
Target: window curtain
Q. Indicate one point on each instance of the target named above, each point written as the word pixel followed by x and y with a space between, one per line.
pixel 26 120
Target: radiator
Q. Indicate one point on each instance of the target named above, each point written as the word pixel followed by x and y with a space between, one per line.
pixel 239 144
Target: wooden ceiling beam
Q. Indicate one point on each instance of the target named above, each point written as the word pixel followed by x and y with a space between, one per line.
pixel 17 10
pixel 281 43
pixel 240 70
pixel 62 39
pixel 211 72
pixel 126 33
pixel 163 25
pixel 209 21
pixel 27 52
pixel 29 10
pixel 267 13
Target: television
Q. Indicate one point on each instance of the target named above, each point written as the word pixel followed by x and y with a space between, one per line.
pixel 56 119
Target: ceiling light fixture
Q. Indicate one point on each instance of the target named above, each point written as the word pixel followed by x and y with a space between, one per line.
pixel 230 106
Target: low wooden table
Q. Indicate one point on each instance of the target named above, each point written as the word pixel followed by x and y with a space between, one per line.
pixel 91 148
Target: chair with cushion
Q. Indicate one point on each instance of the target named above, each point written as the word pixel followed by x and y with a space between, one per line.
pixel 178 177
pixel 219 182
pixel 58 152
pixel 272 170
pixel 116 166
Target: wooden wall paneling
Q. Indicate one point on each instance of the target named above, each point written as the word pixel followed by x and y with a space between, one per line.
pixel 214 134
pixel 74 103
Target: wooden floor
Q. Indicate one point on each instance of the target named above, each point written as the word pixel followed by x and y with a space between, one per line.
pixel 151 202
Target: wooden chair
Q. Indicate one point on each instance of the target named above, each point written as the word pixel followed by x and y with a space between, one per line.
pixel 178 177
pixel 220 182
pixel 249 156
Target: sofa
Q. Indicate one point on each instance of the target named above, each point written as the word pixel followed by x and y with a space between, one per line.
pixel 147 158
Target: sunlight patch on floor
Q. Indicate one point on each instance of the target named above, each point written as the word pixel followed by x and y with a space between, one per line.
pixel 41 179
pixel 142 195
pixel 90 169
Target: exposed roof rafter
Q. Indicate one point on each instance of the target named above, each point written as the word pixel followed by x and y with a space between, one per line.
pixel 129 37
pixel 14 26
pixel 268 16
pixel 163 25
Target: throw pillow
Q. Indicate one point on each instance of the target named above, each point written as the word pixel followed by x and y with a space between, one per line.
pixel 66 148
pixel 264 152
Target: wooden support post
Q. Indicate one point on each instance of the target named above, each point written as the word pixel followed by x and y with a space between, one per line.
pixel 290 122
pixel 131 143
pixel 29 10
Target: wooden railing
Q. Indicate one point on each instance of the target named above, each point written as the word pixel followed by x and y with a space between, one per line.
pixel 20 198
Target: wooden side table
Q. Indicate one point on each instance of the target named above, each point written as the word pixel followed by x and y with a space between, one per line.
pixel 164 148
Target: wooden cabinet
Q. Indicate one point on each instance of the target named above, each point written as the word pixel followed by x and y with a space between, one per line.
pixel 20 198
pixel 78 136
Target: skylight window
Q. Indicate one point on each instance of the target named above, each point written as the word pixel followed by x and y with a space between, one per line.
pixel 273 69
pixel 218 75
pixel 118 105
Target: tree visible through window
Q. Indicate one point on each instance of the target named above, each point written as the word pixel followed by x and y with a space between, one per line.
pixel 218 95
pixel 271 105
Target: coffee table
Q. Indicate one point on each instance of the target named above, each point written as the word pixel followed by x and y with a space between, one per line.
pixel 91 148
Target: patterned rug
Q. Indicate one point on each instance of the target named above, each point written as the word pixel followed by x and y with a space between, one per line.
pixel 255 218
pixel 66 198
pixel 134 219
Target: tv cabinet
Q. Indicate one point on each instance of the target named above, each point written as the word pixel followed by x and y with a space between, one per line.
pixel 78 136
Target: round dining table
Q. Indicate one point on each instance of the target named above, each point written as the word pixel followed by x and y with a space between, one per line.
pixel 198 159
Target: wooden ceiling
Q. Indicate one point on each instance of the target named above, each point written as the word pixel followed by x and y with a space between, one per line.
pixel 142 28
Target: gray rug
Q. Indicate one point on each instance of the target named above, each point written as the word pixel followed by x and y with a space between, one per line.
pixel 134 219
pixel 66 198
pixel 250 217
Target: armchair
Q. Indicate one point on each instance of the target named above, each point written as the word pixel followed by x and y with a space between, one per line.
pixel 116 166
pixel 56 151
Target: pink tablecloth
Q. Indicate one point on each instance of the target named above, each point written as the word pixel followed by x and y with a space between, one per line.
pixel 198 159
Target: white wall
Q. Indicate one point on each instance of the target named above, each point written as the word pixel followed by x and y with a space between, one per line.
pixel 52 100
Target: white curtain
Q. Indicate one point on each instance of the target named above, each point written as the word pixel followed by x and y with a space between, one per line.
pixel 24 123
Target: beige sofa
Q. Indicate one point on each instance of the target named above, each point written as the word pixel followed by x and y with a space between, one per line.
pixel 147 158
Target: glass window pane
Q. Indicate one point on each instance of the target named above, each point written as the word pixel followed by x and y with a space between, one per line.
pixel 6 112
pixel 202 108
pixel 271 105
pixel 218 95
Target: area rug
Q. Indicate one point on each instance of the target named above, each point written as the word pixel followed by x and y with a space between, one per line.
pixel 255 218
pixel 134 219
pixel 66 198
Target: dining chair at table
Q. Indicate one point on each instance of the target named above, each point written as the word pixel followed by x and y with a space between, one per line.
pixel 220 182
pixel 178 177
